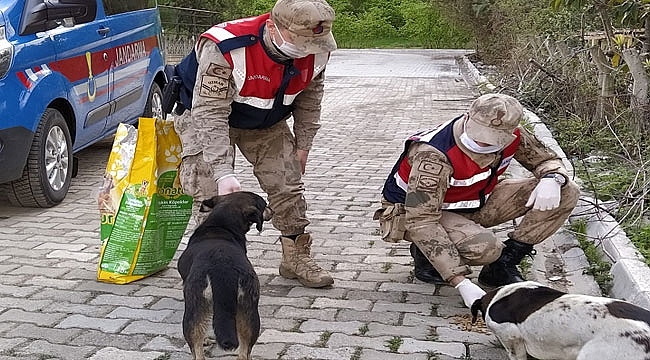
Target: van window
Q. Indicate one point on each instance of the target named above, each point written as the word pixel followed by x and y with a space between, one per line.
pixel 113 7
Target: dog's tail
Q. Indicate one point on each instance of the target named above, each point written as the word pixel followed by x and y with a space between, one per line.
pixel 224 311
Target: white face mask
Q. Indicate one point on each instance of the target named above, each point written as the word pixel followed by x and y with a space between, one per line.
pixel 288 48
pixel 474 147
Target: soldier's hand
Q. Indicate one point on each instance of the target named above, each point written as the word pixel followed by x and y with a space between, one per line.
pixel 228 184
pixel 545 196
pixel 470 292
pixel 302 157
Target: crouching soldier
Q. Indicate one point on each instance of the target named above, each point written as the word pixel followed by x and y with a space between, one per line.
pixel 444 193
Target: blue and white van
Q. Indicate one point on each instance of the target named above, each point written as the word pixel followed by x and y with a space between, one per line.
pixel 70 72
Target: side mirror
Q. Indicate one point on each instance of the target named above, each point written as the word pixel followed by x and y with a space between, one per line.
pixel 42 15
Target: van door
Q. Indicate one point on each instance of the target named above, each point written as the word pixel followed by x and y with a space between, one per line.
pixel 135 27
pixel 82 56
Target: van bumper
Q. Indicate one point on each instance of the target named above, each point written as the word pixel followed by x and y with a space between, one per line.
pixel 15 143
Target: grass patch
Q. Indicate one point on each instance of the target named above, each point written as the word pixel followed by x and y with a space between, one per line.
pixel 324 338
pixel 394 343
pixel 598 268
pixel 363 329
pixel 432 355
pixel 432 334
pixel 525 266
pixel 641 239
pixel 357 353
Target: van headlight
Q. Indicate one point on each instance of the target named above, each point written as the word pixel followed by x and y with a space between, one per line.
pixel 6 53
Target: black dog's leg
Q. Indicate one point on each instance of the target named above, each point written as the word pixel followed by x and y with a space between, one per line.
pixel 196 318
pixel 224 308
pixel 248 318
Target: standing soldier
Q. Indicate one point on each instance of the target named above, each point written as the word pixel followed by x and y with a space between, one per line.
pixel 242 82
pixel 444 192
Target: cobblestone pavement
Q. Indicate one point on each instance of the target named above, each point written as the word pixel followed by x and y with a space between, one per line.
pixel 51 306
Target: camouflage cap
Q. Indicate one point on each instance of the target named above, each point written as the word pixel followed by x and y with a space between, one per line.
pixel 310 22
pixel 493 118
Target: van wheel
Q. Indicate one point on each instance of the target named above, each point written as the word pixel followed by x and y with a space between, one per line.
pixel 153 108
pixel 47 175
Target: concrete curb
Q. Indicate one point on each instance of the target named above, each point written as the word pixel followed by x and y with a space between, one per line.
pixel 629 270
pixel 630 273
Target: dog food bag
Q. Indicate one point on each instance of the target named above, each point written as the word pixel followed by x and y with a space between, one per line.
pixel 144 211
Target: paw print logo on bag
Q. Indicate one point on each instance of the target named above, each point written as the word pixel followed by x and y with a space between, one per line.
pixel 173 154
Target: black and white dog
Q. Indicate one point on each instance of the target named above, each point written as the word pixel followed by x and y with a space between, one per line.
pixel 219 282
pixel 528 317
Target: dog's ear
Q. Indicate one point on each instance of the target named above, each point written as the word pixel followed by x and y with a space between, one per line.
pixel 267 214
pixel 476 307
pixel 208 204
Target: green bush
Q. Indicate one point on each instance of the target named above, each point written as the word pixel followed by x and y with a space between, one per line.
pixel 641 239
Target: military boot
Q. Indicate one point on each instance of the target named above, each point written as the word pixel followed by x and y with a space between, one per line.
pixel 424 271
pixel 504 270
pixel 297 263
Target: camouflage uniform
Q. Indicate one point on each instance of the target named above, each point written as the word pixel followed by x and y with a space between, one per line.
pixel 208 144
pixel 452 241
pixel 208 154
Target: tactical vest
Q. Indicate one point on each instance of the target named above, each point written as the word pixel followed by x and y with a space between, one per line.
pixel 469 186
pixel 265 89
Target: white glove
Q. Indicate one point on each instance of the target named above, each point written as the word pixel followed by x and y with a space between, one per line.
pixel 470 292
pixel 545 196
pixel 227 184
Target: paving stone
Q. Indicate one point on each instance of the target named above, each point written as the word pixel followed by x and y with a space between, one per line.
pixel 56 336
pixel 113 353
pixel 346 327
pixel 152 328
pixel 274 336
pixel 43 347
pixel 38 318
pixel 371 354
pixel 139 314
pixel 55 283
pixel 106 339
pixel 19 291
pixel 421 331
pixel 80 309
pixel 359 305
pixel 85 322
pixel 131 301
pixel 24 304
pixel 300 352
pixel 9 344
pixel 71 296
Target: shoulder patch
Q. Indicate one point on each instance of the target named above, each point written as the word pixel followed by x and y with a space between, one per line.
pixel 430 167
pixel 214 87
pixel 218 71
pixel 427 183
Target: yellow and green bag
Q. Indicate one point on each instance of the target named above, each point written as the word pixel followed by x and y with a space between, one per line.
pixel 144 211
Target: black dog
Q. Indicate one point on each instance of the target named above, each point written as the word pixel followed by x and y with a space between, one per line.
pixel 218 278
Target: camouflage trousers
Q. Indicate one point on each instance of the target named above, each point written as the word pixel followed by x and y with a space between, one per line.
pixel 474 243
pixel 272 152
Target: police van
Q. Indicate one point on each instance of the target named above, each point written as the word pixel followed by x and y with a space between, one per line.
pixel 70 72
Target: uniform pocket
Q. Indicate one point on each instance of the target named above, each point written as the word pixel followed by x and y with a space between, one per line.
pixel 391 222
